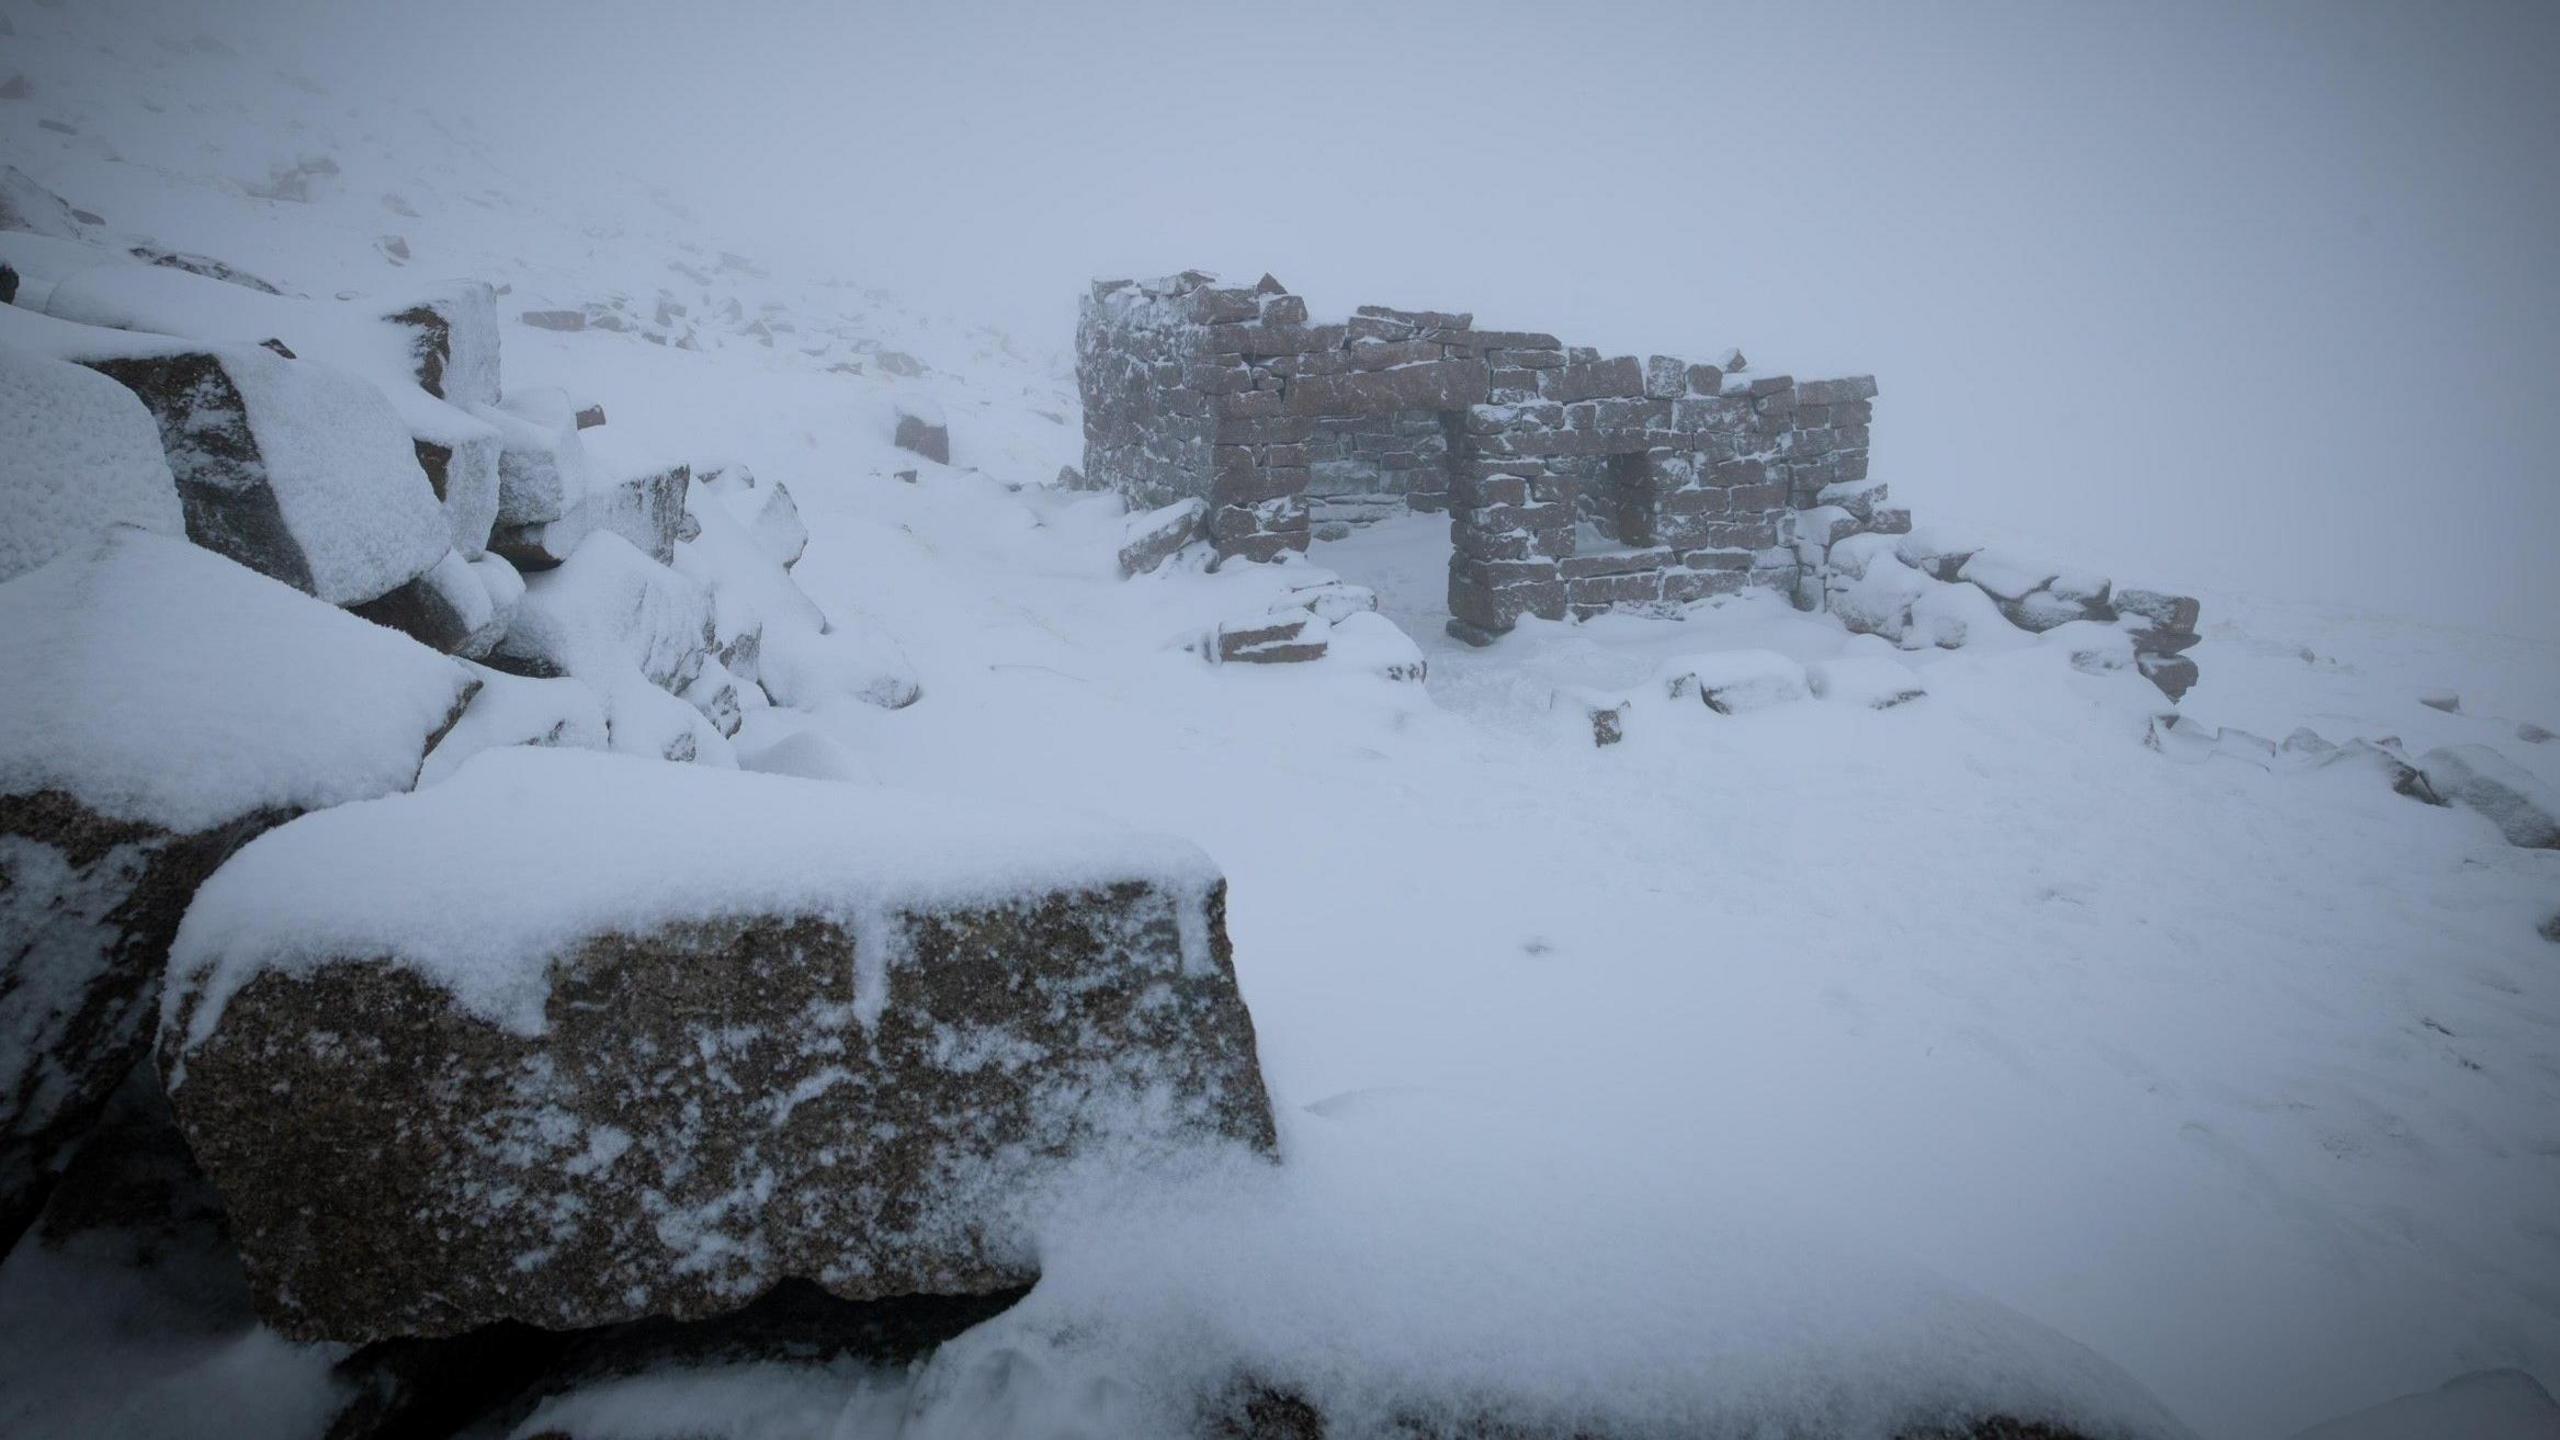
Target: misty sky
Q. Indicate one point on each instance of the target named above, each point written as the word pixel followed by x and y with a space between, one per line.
pixel 2260 298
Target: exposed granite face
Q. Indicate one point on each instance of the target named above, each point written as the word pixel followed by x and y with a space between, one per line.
pixel 92 905
pixel 706 1114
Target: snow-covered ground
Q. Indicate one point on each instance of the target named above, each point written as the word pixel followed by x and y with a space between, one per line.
pixel 1819 1019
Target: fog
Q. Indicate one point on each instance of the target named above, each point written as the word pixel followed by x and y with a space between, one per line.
pixel 2247 298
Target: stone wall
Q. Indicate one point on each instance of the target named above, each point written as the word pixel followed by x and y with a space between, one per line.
pixel 1575 483
pixel 1365 467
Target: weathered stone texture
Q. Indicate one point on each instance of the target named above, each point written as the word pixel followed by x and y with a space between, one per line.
pixel 704 1115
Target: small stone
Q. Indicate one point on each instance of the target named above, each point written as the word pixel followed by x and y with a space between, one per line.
pixel 554 319
pixel 2444 700
pixel 922 429
pixel 590 416
pixel 2533 734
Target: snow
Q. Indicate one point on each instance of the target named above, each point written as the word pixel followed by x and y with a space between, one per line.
pixel 77 454
pixel 1735 682
pixel 2242 1074
pixel 2488 1405
pixel 162 683
pixel 611 608
pixel 513 710
pixel 481 880
pixel 1876 681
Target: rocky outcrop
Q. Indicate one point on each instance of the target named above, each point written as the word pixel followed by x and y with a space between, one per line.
pixel 656 1083
pixel 164 706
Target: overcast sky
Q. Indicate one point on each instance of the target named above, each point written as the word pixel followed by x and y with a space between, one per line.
pixel 2261 297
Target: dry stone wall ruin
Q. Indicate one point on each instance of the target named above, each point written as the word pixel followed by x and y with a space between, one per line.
pixel 1575 483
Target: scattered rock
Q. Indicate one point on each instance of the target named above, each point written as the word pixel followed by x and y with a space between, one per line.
pixel 1735 682
pixel 1272 640
pixel 1071 478
pixel 900 364
pixel 554 319
pixel 908 476
pixel 2479 778
pixel 922 429
pixel 2174 674
pixel 78 453
pixel 2444 700
pixel 394 248
pixel 771 517
pixel 662 1080
pixel 164 705
pixel 2533 734
pixel 1149 540
pixel 590 416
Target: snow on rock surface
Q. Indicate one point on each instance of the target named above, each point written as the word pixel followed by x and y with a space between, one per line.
pixel 77 454
pixel 609 608
pixel 844 1043
pixel 419 354
pixel 301 472
pixel 1878 682
pixel 1735 682
pixel 165 685
pixel 164 705
pixel 517 710
pixel 2524 809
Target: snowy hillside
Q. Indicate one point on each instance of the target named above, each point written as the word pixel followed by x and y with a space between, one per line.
pixel 1936 1033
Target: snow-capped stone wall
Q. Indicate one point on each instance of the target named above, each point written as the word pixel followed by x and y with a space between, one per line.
pixel 1575 483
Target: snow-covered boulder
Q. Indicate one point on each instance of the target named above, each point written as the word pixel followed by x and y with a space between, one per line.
pixel 453 342
pixel 543 479
pixel 597 1069
pixel 1878 682
pixel 2474 776
pixel 163 706
pixel 1734 682
pixel 300 471
pixel 438 348
pixel 448 608
pixel 922 429
pixel 1367 640
pixel 765 508
pixel 765 630
pixel 517 710
pixel 640 499
pixel 77 454
pixel 608 609
pixel 1149 539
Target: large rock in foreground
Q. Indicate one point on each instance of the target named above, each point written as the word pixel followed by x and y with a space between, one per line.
pixel 163 706
pixel 523 1046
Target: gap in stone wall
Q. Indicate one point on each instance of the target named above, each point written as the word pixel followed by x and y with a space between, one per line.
pixel 1367 467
